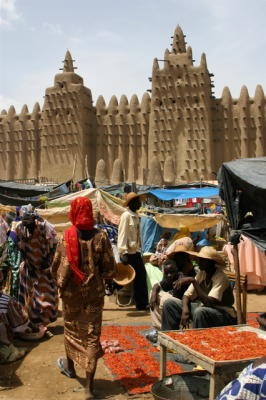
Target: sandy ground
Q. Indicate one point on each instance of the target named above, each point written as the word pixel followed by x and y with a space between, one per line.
pixel 37 378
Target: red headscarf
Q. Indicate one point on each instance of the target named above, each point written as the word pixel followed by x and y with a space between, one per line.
pixel 81 216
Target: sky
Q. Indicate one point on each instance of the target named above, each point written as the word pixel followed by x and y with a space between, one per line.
pixel 114 43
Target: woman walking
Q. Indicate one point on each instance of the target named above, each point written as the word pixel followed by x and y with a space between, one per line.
pixel 82 262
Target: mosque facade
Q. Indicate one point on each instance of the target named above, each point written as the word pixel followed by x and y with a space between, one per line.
pixel 179 132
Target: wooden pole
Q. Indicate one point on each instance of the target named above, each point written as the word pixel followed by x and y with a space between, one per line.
pixel 237 287
pixel 86 167
pixel 74 167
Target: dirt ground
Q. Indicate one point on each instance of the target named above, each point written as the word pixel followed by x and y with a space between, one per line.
pixel 37 378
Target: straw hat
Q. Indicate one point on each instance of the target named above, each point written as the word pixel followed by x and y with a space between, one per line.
pixel 125 274
pixel 132 195
pixel 178 249
pixel 210 253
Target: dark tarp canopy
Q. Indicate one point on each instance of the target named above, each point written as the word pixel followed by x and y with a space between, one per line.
pixel 243 188
pixel 200 184
pixel 19 201
pixel 171 210
pixel 19 194
pixel 10 188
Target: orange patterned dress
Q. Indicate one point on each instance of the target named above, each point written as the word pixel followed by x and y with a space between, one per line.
pixel 83 304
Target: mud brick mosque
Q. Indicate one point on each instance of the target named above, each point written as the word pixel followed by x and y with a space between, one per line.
pixel 179 132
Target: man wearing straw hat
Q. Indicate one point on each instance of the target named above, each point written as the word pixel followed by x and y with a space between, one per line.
pixel 209 299
pixel 128 245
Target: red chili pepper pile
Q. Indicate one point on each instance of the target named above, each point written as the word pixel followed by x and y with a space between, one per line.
pixel 136 368
pixel 222 344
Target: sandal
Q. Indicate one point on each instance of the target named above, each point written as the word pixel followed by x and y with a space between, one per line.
pixel 60 365
pixel 31 335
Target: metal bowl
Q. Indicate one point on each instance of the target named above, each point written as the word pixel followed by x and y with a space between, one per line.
pixel 184 386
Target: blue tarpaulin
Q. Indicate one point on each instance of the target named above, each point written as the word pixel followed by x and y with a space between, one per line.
pixel 174 194
pixel 151 233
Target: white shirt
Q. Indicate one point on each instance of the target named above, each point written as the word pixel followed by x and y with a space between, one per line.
pixel 128 233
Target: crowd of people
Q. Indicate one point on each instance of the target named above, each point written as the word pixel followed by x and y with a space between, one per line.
pixel 180 287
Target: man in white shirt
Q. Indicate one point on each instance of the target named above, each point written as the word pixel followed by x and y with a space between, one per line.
pixel 128 245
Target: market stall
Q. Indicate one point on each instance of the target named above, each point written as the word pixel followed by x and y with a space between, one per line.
pixel 221 351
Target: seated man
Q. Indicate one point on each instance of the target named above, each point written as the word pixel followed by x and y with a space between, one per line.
pixel 175 269
pixel 262 321
pixel 209 299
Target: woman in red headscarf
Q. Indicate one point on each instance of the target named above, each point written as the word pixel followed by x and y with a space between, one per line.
pixel 82 262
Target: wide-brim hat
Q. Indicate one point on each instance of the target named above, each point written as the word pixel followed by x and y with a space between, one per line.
pixel 210 253
pixel 132 195
pixel 124 275
pixel 178 249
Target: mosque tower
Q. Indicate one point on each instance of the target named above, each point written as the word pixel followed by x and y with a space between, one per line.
pixel 180 133
pixel 67 132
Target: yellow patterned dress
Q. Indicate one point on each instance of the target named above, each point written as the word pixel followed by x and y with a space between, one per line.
pixel 83 303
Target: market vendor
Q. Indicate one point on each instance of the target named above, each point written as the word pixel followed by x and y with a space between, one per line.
pixel 262 321
pixel 176 268
pixel 209 299
pixel 128 245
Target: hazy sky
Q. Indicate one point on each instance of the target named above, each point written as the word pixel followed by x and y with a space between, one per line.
pixel 114 43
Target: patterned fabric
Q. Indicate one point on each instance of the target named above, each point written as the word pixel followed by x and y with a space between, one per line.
pixel 250 385
pixel 83 304
pixel 81 217
pixel 12 316
pixel 81 214
pixel 35 247
pixel 111 231
pixel 37 288
pixel 38 294
pixel 15 262
pixel 3 264
pixel 3 230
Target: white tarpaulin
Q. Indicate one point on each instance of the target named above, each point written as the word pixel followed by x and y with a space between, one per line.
pixel 112 207
pixel 107 205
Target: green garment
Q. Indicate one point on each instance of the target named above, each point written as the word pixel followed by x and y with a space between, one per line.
pixel 153 275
